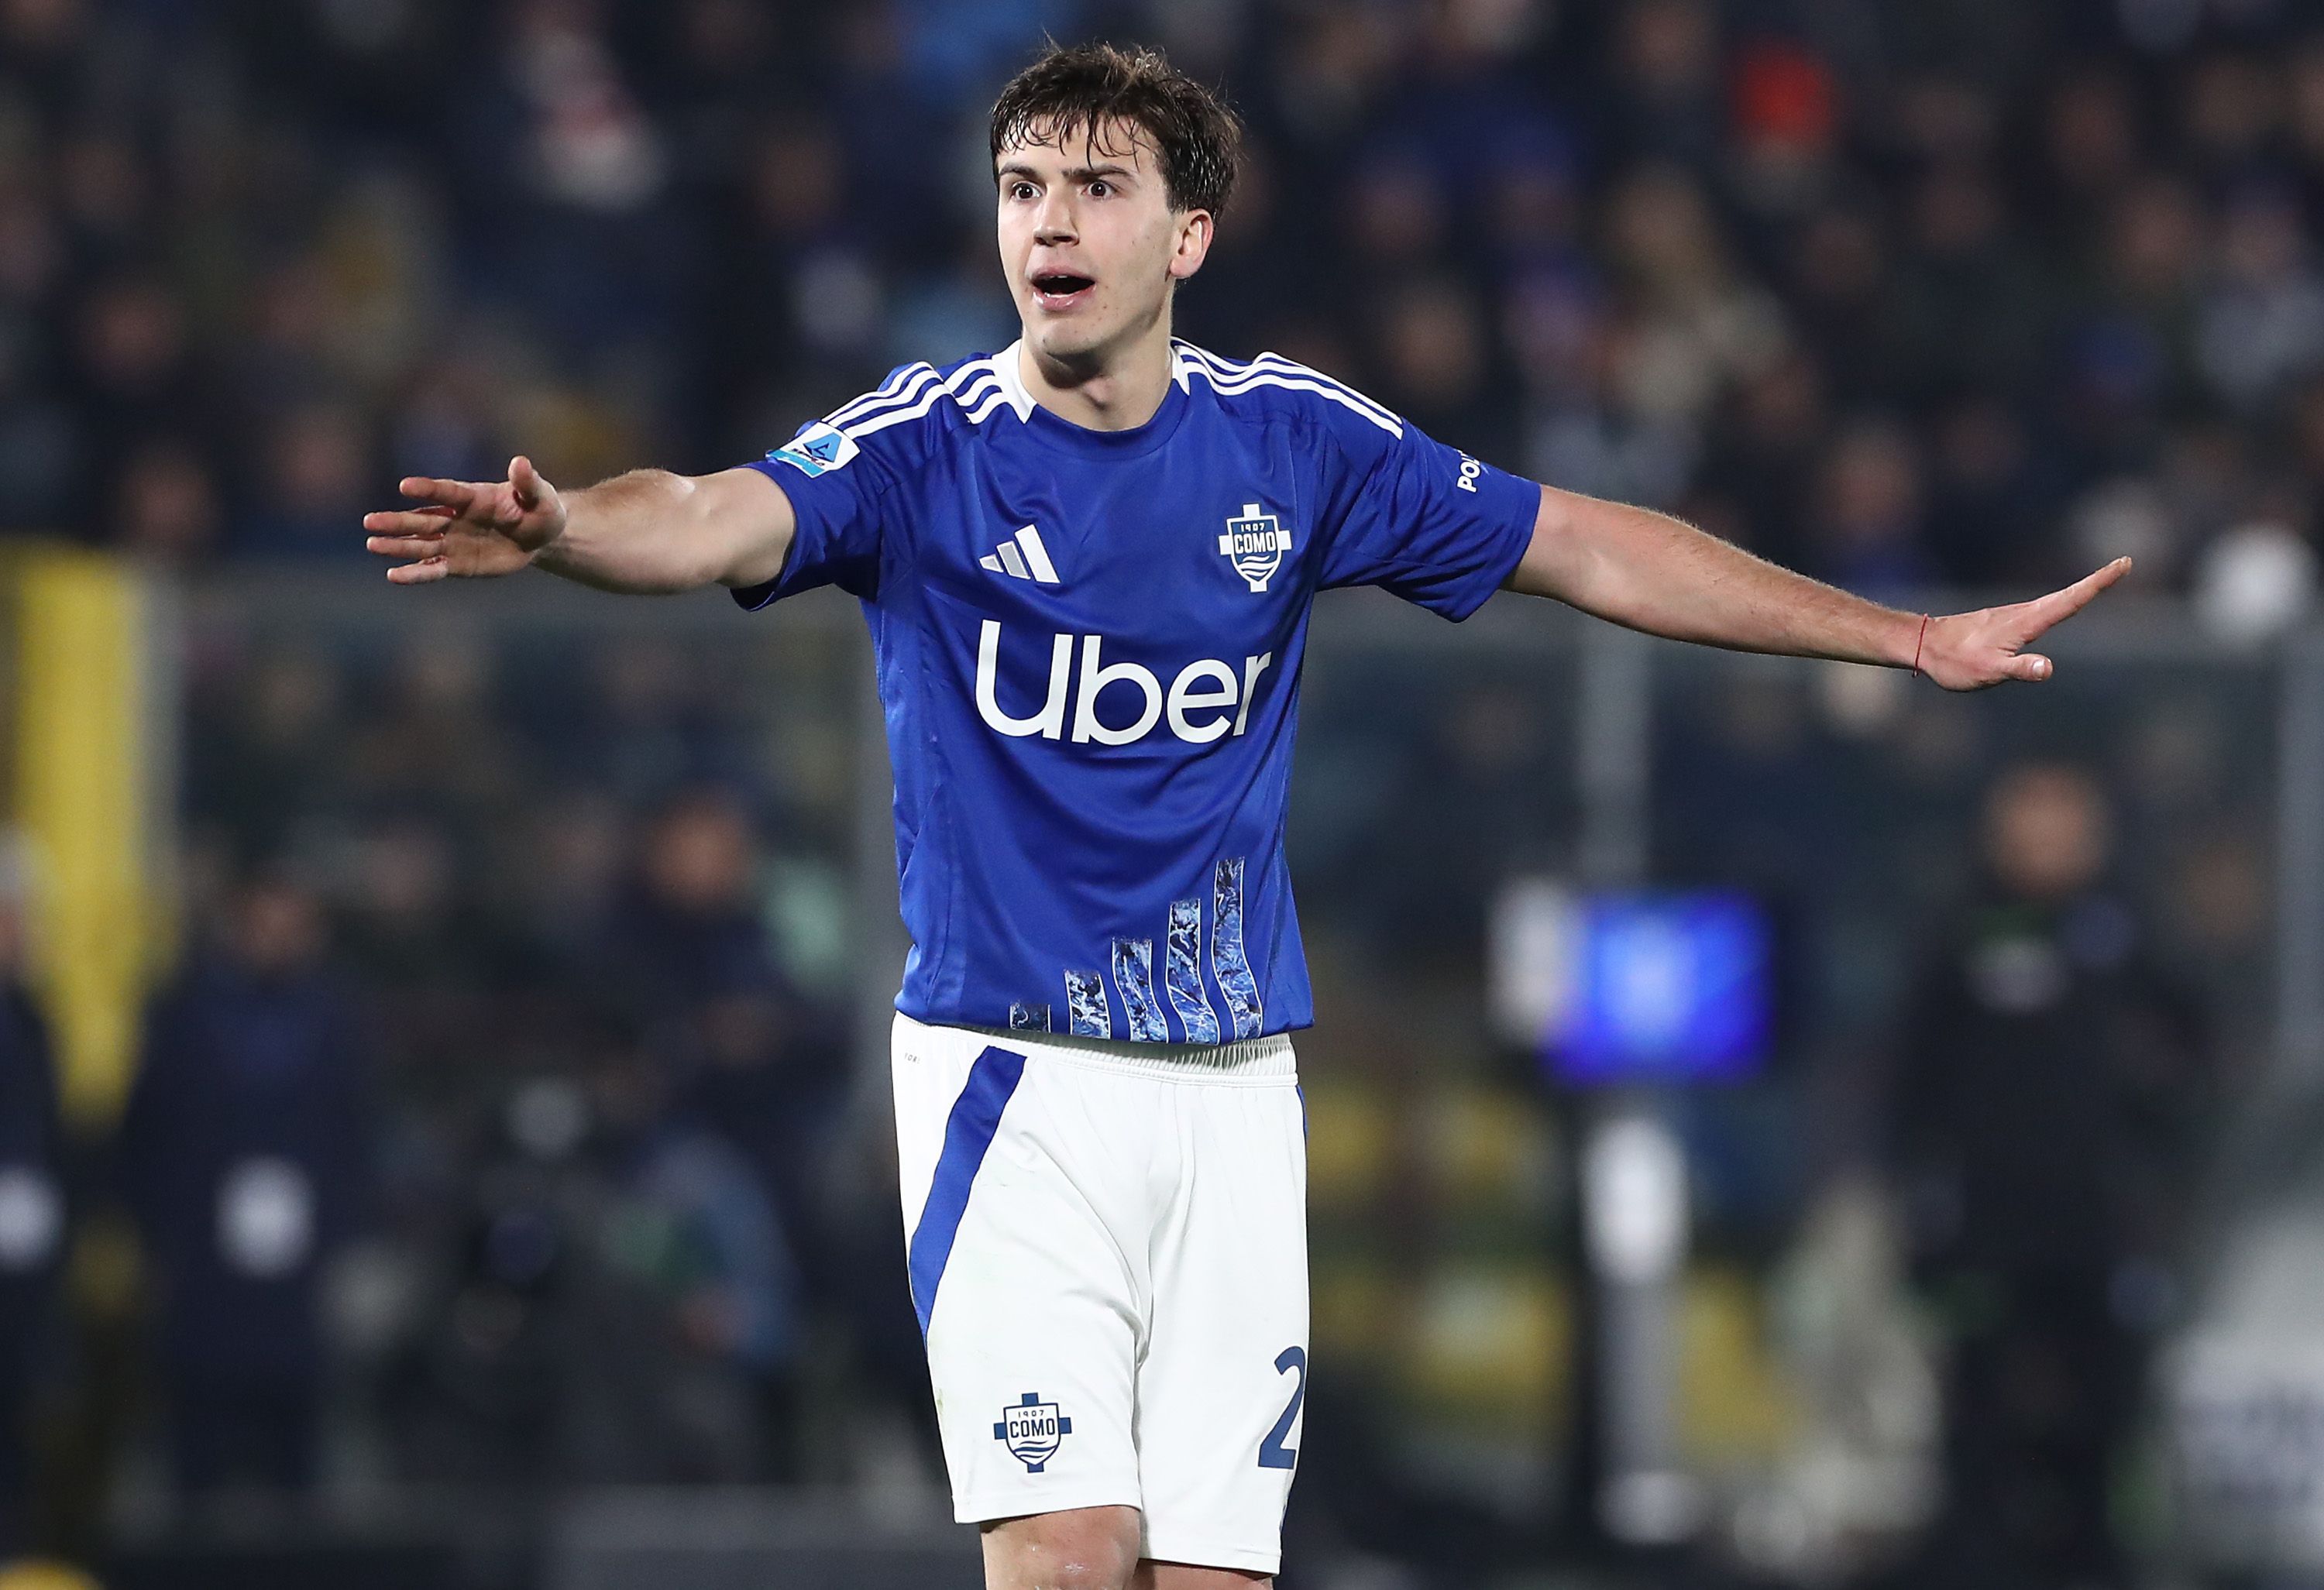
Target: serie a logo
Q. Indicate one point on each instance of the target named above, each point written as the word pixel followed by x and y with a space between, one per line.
pixel 1255 543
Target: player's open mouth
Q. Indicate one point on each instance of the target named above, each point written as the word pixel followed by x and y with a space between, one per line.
pixel 1060 289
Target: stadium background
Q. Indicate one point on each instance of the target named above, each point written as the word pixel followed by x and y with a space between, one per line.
pixel 455 1154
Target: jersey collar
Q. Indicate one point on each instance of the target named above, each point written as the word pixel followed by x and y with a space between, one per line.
pixel 1067 437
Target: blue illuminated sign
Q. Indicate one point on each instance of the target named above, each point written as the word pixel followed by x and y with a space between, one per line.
pixel 1664 987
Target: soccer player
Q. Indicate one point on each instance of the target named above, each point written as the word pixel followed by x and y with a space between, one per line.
pixel 1087 563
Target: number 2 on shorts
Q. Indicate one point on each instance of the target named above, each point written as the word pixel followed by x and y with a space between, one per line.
pixel 1272 1452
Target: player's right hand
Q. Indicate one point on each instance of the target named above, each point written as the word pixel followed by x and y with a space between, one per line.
pixel 473 528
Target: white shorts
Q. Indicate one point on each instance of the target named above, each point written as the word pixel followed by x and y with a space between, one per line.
pixel 1109 1254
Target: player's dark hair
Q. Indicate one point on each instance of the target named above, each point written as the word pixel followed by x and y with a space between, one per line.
pixel 1075 91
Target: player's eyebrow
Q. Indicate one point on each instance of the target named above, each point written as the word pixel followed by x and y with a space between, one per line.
pixel 1071 173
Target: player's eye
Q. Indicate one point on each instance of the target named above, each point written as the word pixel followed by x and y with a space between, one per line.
pixel 1100 189
pixel 1020 190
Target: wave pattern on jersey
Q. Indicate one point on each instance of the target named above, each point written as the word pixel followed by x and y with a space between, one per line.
pixel 1085 1005
pixel 979 388
pixel 1133 978
pixel 899 388
pixel 1232 376
pixel 1029 1018
pixel 1182 972
pixel 1228 961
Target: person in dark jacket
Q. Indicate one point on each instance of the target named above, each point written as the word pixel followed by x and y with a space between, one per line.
pixel 244 1157
pixel 31 1223
pixel 747 1056
pixel 2046 1125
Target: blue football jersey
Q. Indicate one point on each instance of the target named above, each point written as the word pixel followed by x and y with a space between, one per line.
pixel 1089 645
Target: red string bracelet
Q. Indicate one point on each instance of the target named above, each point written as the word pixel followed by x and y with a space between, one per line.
pixel 1921 642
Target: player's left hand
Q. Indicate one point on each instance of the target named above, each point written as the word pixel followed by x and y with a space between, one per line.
pixel 1972 650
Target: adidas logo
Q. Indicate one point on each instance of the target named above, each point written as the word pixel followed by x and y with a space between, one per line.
pixel 1021 558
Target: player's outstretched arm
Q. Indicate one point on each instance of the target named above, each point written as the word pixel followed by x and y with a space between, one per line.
pixel 648 532
pixel 1650 572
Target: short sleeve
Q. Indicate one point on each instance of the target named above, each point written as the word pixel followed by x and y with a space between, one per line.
pixel 1429 523
pixel 837 493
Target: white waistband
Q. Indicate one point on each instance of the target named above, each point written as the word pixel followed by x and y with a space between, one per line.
pixel 1245 1060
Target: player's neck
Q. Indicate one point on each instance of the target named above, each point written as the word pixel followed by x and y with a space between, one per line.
pixel 1114 389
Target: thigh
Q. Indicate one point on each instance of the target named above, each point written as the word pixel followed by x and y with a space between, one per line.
pixel 1091 1548
pixel 1087 1548
pixel 1030 1313
pixel 1224 1386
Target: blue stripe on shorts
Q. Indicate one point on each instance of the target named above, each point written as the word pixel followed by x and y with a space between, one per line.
pixel 968 1133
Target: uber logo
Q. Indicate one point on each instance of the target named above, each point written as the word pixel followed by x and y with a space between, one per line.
pixel 1206 700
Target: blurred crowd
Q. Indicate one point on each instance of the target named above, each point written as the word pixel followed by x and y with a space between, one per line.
pixel 1961 291
pixel 485 1131
pixel 499 936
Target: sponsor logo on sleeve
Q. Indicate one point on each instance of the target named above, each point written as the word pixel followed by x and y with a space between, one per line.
pixel 818 449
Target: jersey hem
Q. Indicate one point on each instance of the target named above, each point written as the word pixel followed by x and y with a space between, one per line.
pixel 809 524
pixel 1246 1061
pixel 1132 1046
pixel 1523 525
pixel 751 598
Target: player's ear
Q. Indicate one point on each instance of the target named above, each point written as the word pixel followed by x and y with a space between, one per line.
pixel 1194 245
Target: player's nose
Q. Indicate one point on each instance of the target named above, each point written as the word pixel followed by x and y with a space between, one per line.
pixel 1055 222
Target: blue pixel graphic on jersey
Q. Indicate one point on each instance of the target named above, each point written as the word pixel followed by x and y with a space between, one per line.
pixel 1196 1019
pixel 1133 980
pixel 1085 1007
pixel 1089 646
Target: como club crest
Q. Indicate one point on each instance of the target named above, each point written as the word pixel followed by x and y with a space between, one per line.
pixel 1255 544
pixel 1032 1430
